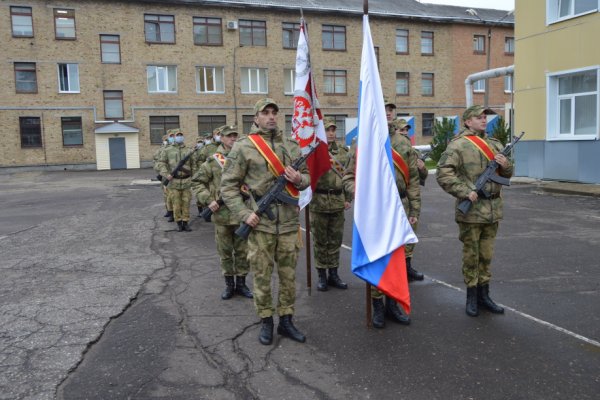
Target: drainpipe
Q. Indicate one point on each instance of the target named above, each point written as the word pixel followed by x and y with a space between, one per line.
pixel 490 73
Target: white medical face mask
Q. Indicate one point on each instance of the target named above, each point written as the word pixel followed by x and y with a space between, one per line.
pixel 207 141
pixel 218 138
pixel 165 142
pixel 179 139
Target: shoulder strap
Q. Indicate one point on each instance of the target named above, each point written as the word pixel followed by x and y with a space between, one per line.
pixel 401 165
pixel 482 146
pixel 275 165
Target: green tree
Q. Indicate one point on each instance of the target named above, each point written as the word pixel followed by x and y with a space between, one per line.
pixel 443 132
pixel 501 131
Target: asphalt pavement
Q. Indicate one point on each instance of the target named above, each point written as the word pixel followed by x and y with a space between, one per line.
pixel 101 298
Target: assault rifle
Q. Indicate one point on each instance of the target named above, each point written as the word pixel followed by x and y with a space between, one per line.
pixel 274 193
pixel 181 163
pixel 489 175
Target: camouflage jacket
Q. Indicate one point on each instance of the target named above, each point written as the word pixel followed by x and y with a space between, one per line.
pixel 205 152
pixel 423 173
pixel 329 195
pixel 411 194
pixel 246 166
pixel 169 159
pixel 156 157
pixel 206 183
pixel 458 169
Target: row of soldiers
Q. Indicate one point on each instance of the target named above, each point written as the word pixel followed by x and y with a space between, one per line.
pixel 233 179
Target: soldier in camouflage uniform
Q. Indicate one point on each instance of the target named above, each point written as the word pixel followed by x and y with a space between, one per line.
pixel 232 249
pixel 271 241
pixel 458 168
pixel 208 148
pixel 410 194
pixel 327 213
pixel 167 141
pixel 179 186
pixel 402 128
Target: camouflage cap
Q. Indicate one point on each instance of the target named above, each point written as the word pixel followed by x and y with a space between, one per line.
pixel 229 130
pixel 175 131
pixel 476 111
pixel 205 134
pixel 329 122
pixel 263 103
pixel 387 102
pixel 199 139
pixel 165 137
pixel 401 124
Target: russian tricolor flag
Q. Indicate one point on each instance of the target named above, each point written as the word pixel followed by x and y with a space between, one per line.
pixel 381 227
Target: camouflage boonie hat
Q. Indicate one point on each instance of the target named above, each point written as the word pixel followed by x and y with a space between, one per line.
pixel 229 130
pixel 175 131
pixel 329 122
pixel 401 124
pixel 476 111
pixel 263 103
pixel 387 102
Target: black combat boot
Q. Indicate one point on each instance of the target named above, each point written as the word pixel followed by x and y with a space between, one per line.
pixel 413 274
pixel 393 311
pixel 241 288
pixel 229 288
pixel 200 210
pixel 179 226
pixel 186 227
pixel 266 331
pixel 378 314
pixel 334 279
pixel 171 217
pixel 168 214
pixel 286 328
pixel 322 282
pixel 484 300
pixel 471 308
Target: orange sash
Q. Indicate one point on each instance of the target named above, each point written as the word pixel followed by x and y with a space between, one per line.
pixel 275 165
pixel 401 166
pixel 482 146
pixel 220 158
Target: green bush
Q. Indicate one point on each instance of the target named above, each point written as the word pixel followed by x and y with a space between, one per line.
pixel 443 132
pixel 501 131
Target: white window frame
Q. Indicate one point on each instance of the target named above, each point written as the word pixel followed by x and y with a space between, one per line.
pixel 254 80
pixel 161 70
pixel 219 86
pixel 553 10
pixel 479 86
pixel 289 80
pixel 72 82
pixel 553 104
pixel 508 83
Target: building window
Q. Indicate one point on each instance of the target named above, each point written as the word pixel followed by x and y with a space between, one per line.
pixel 161 78
pixel 291 33
pixel 334 81
pixel 288 124
pixel 340 123
pixel 68 78
pixel 254 80
pixel 25 78
pixel 208 123
pixel 253 33
pixel 376 49
pixel 159 127
pixel 247 123
pixel 210 80
pixel 573 104
pixel 334 37
pixel 64 23
pixel 289 80
pixel 113 104
pixel 508 83
pixel 31 131
pixel 22 21
pixel 402 88
pixel 208 31
pixel 479 44
pixel 479 86
pixel 159 28
pixel 558 10
pixel 110 46
pixel 402 41
pixel 509 45
pixel 427 123
pixel 426 43
pixel 72 131
pixel 427 84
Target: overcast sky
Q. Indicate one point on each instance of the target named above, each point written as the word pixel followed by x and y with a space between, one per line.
pixel 496 4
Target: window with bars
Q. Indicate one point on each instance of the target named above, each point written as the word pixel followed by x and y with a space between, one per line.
pixel 402 41
pixel 334 81
pixel 113 104
pixel 254 80
pixel 427 84
pixel 161 78
pixel 64 23
pixel 291 33
pixel 334 37
pixel 68 78
pixel 208 31
pixel 159 28
pixel 159 126
pixel 72 131
pixel 25 78
pixel 21 19
pixel 210 80
pixel 426 43
pixel 208 123
pixel 402 83
pixel 252 33
pixel 110 49
pixel 30 130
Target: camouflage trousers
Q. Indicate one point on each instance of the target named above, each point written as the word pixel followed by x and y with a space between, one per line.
pixel 478 249
pixel 181 203
pixel 410 247
pixel 328 231
pixel 265 250
pixel 232 249
pixel 167 198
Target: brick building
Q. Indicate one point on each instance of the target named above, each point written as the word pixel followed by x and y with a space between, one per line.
pixel 96 83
